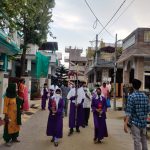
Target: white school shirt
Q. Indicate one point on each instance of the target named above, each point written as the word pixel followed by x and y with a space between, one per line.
pixel 80 93
pixel 87 101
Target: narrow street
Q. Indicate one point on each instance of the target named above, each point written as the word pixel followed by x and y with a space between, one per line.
pixel 33 135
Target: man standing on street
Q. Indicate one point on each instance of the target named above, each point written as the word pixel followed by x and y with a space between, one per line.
pixel 104 90
pixel 76 118
pixel 65 89
pixel 86 104
pixel 136 115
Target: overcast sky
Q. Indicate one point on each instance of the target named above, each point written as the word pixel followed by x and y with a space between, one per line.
pixel 73 21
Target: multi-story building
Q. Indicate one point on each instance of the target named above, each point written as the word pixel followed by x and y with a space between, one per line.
pixel 136 57
pixel 76 63
pixel 9 46
pixel 100 66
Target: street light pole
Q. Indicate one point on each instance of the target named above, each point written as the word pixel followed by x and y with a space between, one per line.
pixel 115 69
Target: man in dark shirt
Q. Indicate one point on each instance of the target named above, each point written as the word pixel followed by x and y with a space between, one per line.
pixel 136 114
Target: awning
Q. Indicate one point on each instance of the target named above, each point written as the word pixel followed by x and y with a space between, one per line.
pixel 142 52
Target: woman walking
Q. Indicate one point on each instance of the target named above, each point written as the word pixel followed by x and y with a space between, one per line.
pixel 12 112
pixel 55 119
pixel 99 108
pixel 23 93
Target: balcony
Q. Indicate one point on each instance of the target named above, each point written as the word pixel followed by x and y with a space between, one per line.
pixel 8 44
pixel 105 63
pixel 75 68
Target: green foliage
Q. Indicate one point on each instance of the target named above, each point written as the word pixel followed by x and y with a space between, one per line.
pixel 62 74
pixel 90 53
pixel 119 52
pixel 32 18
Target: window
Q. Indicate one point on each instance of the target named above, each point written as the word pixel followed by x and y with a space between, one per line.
pixel 147 36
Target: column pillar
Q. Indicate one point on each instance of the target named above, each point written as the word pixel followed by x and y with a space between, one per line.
pixel 3 86
pixel 9 68
pixel 29 66
pixel 139 70
pixel 49 76
pixel 126 73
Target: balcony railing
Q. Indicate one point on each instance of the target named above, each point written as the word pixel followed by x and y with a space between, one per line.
pixel 69 49
pixel 75 68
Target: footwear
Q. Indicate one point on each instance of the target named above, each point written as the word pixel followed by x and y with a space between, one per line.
pixel 95 140
pixel 52 140
pixel 70 132
pixel 8 144
pixel 99 141
pixel 83 126
pixel 56 144
pixel 16 141
pixel 86 124
pixel 78 130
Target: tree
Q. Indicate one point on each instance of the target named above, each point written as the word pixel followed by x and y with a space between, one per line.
pixel 61 74
pixel 31 18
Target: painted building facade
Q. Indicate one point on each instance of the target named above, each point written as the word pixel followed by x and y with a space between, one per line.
pixel 136 57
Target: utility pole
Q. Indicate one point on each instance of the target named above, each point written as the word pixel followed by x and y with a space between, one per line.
pixel 96 58
pixel 96 48
pixel 76 94
pixel 115 70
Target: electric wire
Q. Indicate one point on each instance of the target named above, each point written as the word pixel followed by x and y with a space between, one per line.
pixel 97 20
pixel 123 12
pixel 112 16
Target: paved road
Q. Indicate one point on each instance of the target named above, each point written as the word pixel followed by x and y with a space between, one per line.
pixel 33 135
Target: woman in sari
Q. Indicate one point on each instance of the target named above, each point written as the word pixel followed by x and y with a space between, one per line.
pixel 23 93
pixel 99 108
pixel 12 112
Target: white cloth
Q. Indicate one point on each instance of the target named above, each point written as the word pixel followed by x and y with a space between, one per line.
pixel 53 87
pixel 100 97
pixel 80 94
pixel 56 98
pixel 87 101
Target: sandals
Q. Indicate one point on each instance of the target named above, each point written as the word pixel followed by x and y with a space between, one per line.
pixel 96 141
pixel 55 144
pixel 52 140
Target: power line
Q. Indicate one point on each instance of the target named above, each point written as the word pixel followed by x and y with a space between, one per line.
pixel 123 12
pixel 97 20
pixel 112 17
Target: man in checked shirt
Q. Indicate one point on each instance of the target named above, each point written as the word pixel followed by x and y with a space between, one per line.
pixel 136 115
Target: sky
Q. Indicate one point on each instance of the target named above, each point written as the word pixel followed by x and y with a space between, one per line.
pixel 73 21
